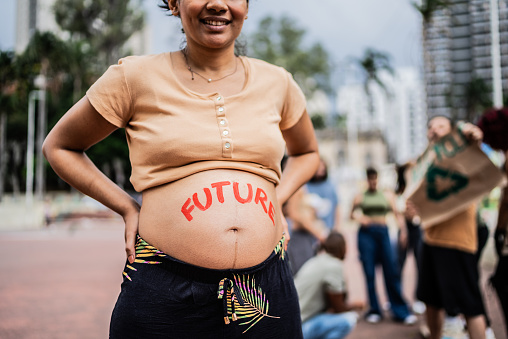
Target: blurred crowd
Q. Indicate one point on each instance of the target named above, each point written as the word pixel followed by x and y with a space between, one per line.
pixel 446 254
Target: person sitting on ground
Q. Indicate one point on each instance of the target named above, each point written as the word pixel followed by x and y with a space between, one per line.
pixel 322 292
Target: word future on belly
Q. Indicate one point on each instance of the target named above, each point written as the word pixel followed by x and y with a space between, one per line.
pixel 260 198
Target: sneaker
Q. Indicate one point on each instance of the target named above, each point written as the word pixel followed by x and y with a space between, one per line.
pixel 454 327
pixel 373 318
pixel 410 319
pixel 418 307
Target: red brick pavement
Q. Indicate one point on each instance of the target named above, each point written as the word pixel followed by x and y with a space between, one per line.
pixel 62 282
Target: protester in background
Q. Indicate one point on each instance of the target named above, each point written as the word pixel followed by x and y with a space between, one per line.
pixel 307 231
pixel 413 231
pixel 494 124
pixel 482 231
pixel 370 209
pixel 448 279
pixel 455 326
pixel 323 197
pixel 500 277
pixel 206 137
pixel 322 290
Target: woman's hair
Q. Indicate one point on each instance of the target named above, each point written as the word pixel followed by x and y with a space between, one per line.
pixel 320 177
pixel 164 5
pixel 400 187
pixel 450 120
pixel 371 171
pixel 335 244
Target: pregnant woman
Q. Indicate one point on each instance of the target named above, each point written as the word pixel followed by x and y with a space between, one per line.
pixel 206 130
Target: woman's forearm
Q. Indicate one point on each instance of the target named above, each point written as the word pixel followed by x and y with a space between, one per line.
pixel 78 130
pixel 75 168
pixel 299 169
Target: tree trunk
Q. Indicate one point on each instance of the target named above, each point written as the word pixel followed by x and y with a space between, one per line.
pixel 41 135
pixel 16 163
pixel 3 152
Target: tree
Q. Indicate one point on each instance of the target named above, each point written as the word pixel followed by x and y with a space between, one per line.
pixel 478 98
pixel 104 24
pixel 281 42
pixel 372 64
pixel 427 8
pixel 7 87
pixel 47 53
pixel 94 32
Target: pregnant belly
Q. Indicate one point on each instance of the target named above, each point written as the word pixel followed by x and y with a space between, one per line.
pixel 215 219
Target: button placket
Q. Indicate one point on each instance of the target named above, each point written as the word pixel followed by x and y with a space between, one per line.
pixel 222 121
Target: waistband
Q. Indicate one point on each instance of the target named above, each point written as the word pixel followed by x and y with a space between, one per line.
pixel 148 254
pixel 374 226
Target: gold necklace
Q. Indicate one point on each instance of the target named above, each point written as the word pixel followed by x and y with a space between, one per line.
pixel 209 80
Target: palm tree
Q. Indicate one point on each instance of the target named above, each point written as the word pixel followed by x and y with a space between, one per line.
pixel 372 64
pixel 7 86
pixel 280 41
pixel 105 24
pixel 427 8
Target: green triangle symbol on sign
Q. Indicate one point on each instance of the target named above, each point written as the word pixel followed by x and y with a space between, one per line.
pixel 433 192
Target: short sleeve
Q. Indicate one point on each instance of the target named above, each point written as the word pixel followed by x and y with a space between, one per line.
pixel 294 105
pixel 334 280
pixel 110 96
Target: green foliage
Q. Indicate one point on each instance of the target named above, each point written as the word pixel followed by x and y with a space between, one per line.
pixel 96 32
pixel 103 24
pixel 340 122
pixel 7 83
pixel 371 64
pixel 318 121
pixel 478 98
pixel 280 42
pixel 428 7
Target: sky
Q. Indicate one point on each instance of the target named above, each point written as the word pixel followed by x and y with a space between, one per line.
pixel 344 28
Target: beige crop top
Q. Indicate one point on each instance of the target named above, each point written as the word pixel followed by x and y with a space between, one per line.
pixel 173 132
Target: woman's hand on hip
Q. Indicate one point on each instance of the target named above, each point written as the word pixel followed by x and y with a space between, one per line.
pixel 131 231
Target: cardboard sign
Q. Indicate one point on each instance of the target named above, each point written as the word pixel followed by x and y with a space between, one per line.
pixel 448 177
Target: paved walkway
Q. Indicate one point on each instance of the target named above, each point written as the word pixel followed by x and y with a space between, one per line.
pixel 62 283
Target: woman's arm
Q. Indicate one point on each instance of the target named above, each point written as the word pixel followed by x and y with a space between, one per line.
pixel 356 214
pixel 303 216
pixel 337 303
pixel 399 218
pixel 303 158
pixel 338 216
pixel 79 129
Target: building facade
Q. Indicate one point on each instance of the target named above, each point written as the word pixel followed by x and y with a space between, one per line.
pixel 398 114
pixel 458 57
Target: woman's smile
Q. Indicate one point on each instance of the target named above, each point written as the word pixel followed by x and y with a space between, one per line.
pixel 216 22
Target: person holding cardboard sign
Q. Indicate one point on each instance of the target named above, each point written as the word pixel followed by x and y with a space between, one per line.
pixel 448 280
